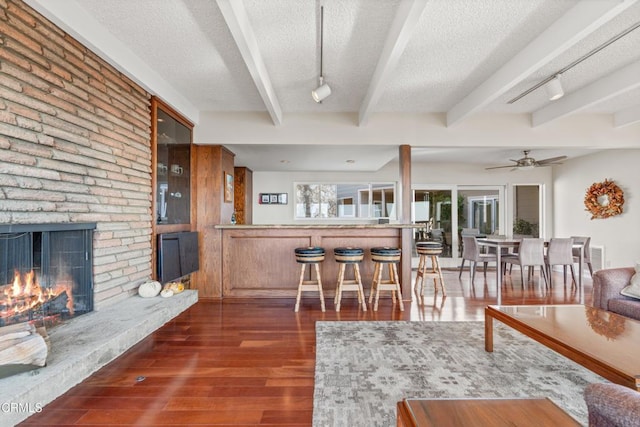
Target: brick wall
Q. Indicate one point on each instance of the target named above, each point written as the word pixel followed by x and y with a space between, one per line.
pixel 74 146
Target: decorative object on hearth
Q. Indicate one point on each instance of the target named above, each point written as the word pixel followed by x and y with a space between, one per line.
pixel 605 323
pixel 149 289
pixel 604 199
pixel 175 287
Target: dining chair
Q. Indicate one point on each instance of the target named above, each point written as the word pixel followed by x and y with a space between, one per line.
pixel 471 252
pixel 560 252
pixel 466 232
pixel 586 242
pixel 530 254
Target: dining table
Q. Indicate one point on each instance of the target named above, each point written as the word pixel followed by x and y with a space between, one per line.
pixel 511 243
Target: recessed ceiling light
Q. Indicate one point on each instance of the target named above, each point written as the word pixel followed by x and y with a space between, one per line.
pixel 351 161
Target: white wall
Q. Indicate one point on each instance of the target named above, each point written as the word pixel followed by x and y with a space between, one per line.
pixel 620 235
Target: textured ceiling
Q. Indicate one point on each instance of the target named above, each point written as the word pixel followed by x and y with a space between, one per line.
pixel 443 56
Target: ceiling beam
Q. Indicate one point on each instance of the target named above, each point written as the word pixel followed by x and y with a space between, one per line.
pixel 614 84
pixel 237 20
pixel 626 117
pixel 402 28
pixel 580 21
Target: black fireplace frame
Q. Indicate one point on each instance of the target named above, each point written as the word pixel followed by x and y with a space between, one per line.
pixel 45 230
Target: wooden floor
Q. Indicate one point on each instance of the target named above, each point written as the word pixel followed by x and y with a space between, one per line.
pixel 249 363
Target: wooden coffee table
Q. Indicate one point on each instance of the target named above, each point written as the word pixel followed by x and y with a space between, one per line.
pixel 604 342
pixel 482 412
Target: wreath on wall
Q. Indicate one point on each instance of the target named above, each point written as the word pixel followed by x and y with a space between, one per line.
pixel 604 199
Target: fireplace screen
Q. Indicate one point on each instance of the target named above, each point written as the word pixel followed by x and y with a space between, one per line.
pixel 45 272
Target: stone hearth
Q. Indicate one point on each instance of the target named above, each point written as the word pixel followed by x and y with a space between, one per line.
pixel 81 346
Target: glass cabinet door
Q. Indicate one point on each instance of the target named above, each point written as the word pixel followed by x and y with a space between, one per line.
pixel 173 170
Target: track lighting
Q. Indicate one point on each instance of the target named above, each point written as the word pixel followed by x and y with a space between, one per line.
pixel 554 88
pixel 323 90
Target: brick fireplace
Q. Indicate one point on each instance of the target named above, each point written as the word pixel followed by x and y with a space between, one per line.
pixel 75 148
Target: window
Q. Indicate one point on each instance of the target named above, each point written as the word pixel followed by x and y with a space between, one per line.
pixel 355 200
pixel 526 210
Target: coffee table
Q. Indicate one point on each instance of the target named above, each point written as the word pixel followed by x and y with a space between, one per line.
pixel 482 412
pixel 604 342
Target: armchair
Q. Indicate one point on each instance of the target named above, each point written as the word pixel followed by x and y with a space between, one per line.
pixel 612 405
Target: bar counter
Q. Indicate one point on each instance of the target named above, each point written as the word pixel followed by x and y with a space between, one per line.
pixel 257 261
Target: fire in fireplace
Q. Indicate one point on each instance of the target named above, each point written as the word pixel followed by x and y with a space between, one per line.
pixel 45 272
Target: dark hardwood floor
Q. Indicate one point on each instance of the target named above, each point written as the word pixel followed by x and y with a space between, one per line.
pixel 248 363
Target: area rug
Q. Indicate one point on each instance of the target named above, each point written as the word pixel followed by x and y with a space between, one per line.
pixel 364 368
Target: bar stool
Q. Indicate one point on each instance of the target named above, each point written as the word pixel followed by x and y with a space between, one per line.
pixel 389 256
pixel 429 250
pixel 344 257
pixel 309 256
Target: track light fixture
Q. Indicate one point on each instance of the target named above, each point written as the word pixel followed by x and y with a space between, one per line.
pixel 323 90
pixel 554 88
pixel 549 84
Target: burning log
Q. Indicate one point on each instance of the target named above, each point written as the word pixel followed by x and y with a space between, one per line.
pixel 22 347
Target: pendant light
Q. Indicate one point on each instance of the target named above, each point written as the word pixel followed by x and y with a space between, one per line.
pixel 323 90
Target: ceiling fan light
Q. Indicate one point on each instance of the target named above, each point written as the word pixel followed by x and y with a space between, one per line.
pixel 321 92
pixel 554 89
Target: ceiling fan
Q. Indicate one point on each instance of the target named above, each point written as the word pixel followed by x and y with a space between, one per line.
pixel 527 162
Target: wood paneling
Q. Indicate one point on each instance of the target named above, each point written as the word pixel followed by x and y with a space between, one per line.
pixel 260 262
pixel 243 195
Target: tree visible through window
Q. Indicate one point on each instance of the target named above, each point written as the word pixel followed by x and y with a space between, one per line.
pixel 331 200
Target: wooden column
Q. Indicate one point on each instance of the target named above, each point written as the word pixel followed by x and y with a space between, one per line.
pixel 405 218
pixel 211 164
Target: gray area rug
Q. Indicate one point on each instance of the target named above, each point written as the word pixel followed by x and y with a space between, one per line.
pixel 364 368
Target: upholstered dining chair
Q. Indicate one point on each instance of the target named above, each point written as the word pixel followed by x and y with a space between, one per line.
pixel 586 242
pixel 466 232
pixel 530 254
pixel 560 252
pixel 471 252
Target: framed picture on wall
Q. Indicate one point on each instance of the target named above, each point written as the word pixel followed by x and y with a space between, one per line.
pixel 228 187
pixel 282 198
pixel 273 198
pixel 264 198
